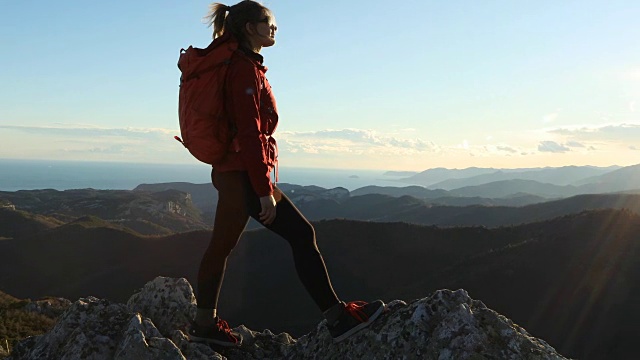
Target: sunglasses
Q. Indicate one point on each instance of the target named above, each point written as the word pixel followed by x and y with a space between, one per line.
pixel 267 21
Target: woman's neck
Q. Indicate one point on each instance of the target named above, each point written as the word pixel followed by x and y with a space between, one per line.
pixel 255 48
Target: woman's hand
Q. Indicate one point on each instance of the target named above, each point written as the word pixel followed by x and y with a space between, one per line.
pixel 268 213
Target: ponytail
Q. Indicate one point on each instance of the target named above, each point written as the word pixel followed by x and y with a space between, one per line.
pixel 216 18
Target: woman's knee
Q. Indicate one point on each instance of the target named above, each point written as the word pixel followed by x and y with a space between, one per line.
pixel 223 241
pixel 218 251
pixel 307 236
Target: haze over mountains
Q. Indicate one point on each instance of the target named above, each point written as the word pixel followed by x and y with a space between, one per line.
pixel 161 209
pixel 549 183
pixel 449 179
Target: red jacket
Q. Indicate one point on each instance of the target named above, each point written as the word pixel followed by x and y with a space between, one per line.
pixel 251 105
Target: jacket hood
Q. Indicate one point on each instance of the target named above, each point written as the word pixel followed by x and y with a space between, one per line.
pixel 193 60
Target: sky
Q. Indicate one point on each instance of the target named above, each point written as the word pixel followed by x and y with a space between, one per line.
pixel 407 85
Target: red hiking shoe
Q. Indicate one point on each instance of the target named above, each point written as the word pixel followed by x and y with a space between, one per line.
pixel 356 316
pixel 219 333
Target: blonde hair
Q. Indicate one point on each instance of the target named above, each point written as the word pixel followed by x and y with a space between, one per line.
pixel 233 19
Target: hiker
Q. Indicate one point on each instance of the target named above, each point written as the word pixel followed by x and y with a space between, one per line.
pixel 243 181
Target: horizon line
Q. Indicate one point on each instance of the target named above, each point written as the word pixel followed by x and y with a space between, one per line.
pixel 303 167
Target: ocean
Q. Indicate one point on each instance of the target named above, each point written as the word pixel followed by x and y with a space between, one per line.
pixel 63 175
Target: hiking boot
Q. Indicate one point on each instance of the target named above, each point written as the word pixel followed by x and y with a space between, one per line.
pixel 218 333
pixel 356 316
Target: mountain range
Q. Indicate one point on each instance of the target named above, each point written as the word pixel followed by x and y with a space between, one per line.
pixel 449 179
pixel 160 213
pixel 559 258
pixel 171 209
pixel 572 280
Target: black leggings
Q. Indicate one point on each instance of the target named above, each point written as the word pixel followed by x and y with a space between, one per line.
pixel 236 202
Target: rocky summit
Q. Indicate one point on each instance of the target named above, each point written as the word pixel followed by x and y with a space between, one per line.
pixel 152 325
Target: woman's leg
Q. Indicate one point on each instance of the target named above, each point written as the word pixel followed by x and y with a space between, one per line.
pixel 296 229
pixel 236 202
pixel 231 219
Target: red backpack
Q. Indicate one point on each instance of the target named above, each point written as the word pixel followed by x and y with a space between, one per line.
pixel 206 130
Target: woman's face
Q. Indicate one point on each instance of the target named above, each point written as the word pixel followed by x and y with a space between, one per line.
pixel 263 32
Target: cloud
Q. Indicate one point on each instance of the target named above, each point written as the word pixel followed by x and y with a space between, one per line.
pixel 84 142
pixel 552 146
pixel 355 135
pixel 508 149
pixel 606 133
pixel 108 150
pixel 91 131
pixel 574 144
pixel 352 141
pixel 463 145
pixel 632 106
pixel 631 147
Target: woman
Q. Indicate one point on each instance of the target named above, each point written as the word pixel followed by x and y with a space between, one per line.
pixel 243 181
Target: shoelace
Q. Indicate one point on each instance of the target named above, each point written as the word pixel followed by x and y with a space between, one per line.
pixel 224 327
pixel 354 308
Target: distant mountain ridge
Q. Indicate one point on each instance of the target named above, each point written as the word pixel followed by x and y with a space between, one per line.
pixel 625 178
pixel 399 173
pixel 566 175
pixel 162 209
pixel 449 179
pixel 161 212
pixel 384 208
pixel 316 204
pixel 203 196
pixel 17 223
pixel 506 188
pixel 541 182
pixel 418 192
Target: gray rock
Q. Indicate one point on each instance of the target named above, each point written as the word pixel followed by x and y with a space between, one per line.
pixel 446 325
pixel 142 340
pixel 194 351
pixel 51 307
pixel 90 329
pixel 169 303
